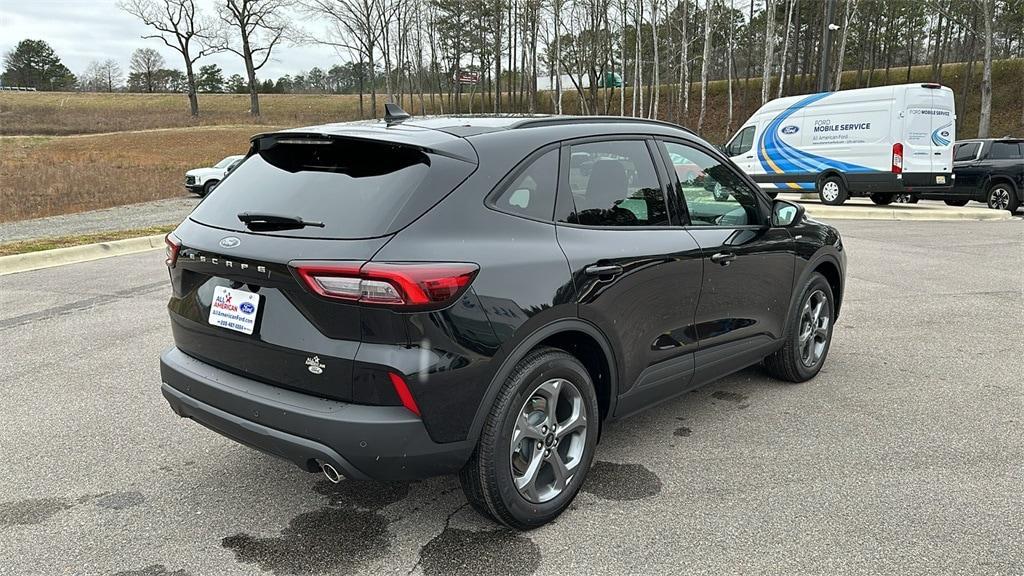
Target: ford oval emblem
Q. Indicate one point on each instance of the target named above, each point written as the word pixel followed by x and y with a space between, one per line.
pixel 945 133
pixel 229 242
pixel 790 129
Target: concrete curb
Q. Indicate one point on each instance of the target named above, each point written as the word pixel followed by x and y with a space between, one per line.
pixel 904 212
pixel 73 254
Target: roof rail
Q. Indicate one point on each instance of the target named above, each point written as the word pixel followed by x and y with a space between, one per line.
pixel 563 120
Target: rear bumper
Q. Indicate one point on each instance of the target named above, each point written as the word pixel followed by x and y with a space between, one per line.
pixel 363 442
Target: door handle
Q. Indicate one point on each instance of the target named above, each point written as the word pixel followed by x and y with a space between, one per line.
pixel 723 258
pixel 749 156
pixel 603 271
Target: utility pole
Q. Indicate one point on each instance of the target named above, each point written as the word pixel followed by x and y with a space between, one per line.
pixel 826 45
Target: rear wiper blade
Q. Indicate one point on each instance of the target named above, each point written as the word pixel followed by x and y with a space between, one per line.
pixel 257 221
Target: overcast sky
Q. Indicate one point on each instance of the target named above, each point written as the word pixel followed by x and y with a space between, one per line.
pixel 81 31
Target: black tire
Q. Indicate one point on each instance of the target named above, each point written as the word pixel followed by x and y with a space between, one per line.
pixel 882 199
pixel 832 191
pixel 773 195
pixel 209 186
pixel 1002 197
pixel 788 363
pixel 913 199
pixel 487 478
pixel 957 202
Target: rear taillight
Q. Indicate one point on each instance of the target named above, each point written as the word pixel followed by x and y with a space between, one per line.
pixel 897 158
pixel 414 284
pixel 171 247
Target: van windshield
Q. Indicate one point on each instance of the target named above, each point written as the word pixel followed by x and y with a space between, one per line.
pixel 356 188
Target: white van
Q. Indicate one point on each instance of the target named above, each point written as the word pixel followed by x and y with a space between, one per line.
pixel 875 142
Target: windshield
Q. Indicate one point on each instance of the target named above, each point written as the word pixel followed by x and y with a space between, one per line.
pixel 357 188
pixel 225 162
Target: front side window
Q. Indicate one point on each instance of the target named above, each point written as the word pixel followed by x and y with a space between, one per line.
pixel 742 142
pixel 1005 151
pixel 532 193
pixel 615 184
pixel 714 194
pixel 966 151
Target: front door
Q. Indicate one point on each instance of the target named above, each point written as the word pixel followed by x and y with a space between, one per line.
pixel 637 273
pixel 748 265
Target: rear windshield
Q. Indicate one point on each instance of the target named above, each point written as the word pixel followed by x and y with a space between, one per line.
pixel 356 188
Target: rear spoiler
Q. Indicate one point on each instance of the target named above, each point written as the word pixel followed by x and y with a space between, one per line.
pixel 408 136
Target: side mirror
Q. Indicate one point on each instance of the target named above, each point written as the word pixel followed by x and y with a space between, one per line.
pixel 786 213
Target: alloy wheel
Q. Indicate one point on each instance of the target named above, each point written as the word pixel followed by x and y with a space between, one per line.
pixel 814 326
pixel 1000 199
pixel 548 440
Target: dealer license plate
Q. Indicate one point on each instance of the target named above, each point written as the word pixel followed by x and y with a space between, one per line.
pixel 234 309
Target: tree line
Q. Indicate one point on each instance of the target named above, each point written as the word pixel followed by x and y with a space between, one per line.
pixel 629 57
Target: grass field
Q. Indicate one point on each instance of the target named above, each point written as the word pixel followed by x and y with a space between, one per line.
pixel 69 152
pixel 45 176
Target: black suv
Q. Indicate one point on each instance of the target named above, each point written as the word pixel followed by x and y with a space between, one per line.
pixel 482 295
pixel 989 170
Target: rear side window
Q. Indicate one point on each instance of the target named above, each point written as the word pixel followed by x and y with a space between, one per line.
pixel 966 151
pixel 1005 151
pixel 356 188
pixel 532 193
pixel 615 184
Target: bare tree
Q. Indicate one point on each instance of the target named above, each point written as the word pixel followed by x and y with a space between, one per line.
pixel 851 8
pixel 985 117
pixel 769 49
pixel 684 62
pixel 180 26
pixel 785 46
pixel 729 67
pixel 252 29
pixel 704 66
pixel 147 62
pixel 656 80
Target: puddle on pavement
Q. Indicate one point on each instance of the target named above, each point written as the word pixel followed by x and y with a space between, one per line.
pixel 456 552
pixel 31 510
pixel 153 570
pixel 621 481
pixel 729 396
pixel 120 500
pixel 325 540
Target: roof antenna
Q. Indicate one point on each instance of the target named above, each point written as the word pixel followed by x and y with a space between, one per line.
pixel 393 114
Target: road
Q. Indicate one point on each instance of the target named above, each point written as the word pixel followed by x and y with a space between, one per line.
pixel 904 456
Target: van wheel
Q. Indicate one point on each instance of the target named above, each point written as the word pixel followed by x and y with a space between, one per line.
pixel 1001 197
pixel 883 199
pixel 957 202
pixel 537 442
pixel 773 195
pixel 831 191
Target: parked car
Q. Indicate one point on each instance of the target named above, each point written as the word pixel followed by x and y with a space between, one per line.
pixel 989 170
pixel 482 296
pixel 876 142
pixel 203 180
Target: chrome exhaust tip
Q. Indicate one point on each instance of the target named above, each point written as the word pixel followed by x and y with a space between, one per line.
pixel 330 472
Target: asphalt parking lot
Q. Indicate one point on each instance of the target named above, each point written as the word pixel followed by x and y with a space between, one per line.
pixel 904 456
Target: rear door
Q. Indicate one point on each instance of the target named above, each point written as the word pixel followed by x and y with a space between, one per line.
pixel 929 132
pixel 968 169
pixel 748 265
pixel 636 273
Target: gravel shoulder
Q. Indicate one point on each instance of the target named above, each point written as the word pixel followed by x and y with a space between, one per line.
pixel 131 216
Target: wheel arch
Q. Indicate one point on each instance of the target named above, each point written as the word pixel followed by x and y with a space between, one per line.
pixel 828 173
pixel 1002 179
pixel 828 265
pixel 579 338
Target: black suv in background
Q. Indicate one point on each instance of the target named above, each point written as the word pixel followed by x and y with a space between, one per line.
pixel 482 295
pixel 989 170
